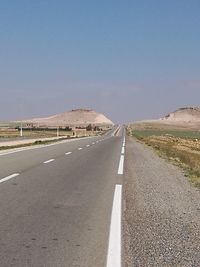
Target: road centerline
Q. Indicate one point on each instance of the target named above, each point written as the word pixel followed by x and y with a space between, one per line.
pixel 121 165
pixel 68 153
pixel 9 177
pixel 48 161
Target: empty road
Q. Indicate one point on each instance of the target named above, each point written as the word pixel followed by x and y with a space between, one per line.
pixel 58 203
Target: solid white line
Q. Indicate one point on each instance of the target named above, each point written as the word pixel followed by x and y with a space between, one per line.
pixel 121 165
pixel 68 153
pixel 114 248
pixel 9 177
pixel 123 150
pixel 80 148
pixel 116 132
pixel 39 146
pixel 48 161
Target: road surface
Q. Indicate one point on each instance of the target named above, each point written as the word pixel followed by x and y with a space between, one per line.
pixel 57 204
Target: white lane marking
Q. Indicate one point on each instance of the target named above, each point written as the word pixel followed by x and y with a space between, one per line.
pixel 87 145
pixel 48 161
pixel 123 150
pixel 40 146
pixel 80 148
pixel 124 141
pixel 114 247
pixel 9 177
pixel 93 143
pixel 115 133
pixel 119 130
pixel 68 153
pixel 121 165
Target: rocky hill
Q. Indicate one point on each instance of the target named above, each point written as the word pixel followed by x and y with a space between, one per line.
pixel 186 114
pixel 76 117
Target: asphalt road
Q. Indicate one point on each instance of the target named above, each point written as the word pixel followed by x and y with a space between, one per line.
pixel 56 203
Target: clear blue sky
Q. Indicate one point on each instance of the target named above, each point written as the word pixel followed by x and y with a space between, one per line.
pixel 128 59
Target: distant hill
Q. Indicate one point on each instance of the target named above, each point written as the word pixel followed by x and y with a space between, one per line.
pixel 186 114
pixel 76 117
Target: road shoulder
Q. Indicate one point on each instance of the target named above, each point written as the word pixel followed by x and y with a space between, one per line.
pixel 161 217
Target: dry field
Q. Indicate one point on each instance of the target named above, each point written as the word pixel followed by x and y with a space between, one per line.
pixel 179 145
pixel 6 133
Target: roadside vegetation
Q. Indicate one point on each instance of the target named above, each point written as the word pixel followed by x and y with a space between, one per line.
pixel 180 146
pixel 41 137
pixel 14 133
pixel 36 143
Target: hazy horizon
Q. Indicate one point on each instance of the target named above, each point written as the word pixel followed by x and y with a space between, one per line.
pixel 130 60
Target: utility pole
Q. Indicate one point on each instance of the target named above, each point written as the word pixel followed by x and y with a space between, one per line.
pixel 21 130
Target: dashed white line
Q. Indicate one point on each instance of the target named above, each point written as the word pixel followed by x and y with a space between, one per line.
pixel 68 153
pixel 48 161
pixel 93 143
pixel 114 247
pixel 116 132
pixel 87 145
pixel 40 146
pixel 9 177
pixel 124 143
pixel 80 148
pixel 121 165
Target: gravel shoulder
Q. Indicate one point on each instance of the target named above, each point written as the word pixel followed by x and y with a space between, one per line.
pixel 161 217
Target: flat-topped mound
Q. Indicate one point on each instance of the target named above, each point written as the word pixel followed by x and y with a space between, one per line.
pixel 186 114
pixel 75 117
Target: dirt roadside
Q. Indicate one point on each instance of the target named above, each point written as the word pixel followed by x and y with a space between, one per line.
pixel 161 217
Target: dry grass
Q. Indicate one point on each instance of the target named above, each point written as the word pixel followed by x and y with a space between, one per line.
pixel 14 133
pixel 38 142
pixel 180 146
